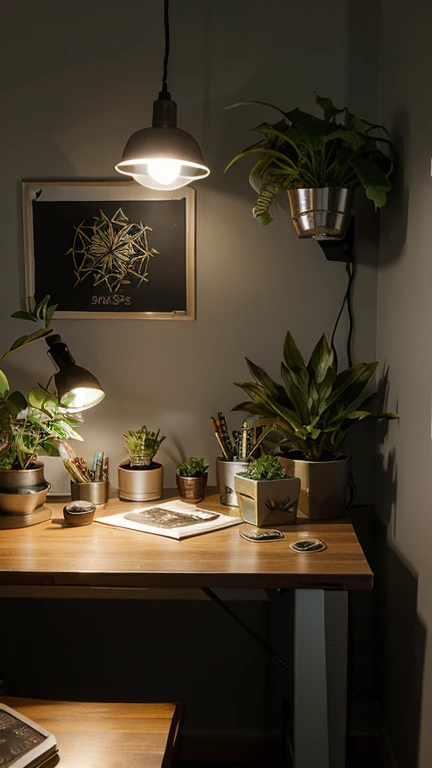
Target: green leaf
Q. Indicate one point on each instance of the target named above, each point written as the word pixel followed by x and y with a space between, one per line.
pixel 292 356
pixel 297 394
pixel 327 106
pixel 373 179
pixel 267 194
pixel 321 360
pixel 350 383
pixel 273 389
pixel 19 342
pixel 4 384
pixel 16 403
pixel 41 308
pixel 42 400
pixel 24 315
pixel 49 314
pixel 348 137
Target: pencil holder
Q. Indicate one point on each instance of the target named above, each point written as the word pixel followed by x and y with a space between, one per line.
pixel 96 492
pixel 225 473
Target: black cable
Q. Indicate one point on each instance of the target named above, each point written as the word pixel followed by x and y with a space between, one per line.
pixel 167 47
pixel 347 299
pixel 258 639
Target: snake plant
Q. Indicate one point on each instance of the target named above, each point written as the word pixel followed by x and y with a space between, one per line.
pixel 301 150
pixel 314 406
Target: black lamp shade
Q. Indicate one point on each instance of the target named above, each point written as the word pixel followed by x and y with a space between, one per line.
pixel 77 388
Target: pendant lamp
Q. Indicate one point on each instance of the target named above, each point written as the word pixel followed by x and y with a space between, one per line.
pixel 163 156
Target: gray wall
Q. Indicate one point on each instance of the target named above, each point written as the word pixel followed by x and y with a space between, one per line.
pixel 78 79
pixel 404 320
pixel 78 83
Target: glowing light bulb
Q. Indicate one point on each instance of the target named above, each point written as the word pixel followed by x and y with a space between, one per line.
pixel 164 170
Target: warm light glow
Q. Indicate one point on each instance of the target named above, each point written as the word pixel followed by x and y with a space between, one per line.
pixel 81 398
pixel 164 170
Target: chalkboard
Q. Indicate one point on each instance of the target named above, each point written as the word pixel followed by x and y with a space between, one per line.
pixel 110 257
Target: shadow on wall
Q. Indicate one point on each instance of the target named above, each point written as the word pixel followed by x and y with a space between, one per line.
pixel 400 635
pixel 396 210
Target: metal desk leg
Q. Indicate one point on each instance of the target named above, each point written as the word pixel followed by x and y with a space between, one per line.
pixel 320 666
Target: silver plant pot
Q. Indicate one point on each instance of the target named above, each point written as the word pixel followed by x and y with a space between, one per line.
pixel 323 213
pixel 96 492
pixel 225 474
pixel 324 486
pixel 140 484
pixel 268 502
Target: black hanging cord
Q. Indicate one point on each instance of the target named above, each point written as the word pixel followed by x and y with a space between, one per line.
pixel 347 299
pixel 258 639
pixel 167 47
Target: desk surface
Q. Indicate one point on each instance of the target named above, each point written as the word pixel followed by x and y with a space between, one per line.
pixel 53 553
pixel 95 735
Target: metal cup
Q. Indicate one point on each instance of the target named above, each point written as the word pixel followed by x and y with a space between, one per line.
pixel 225 473
pixel 96 492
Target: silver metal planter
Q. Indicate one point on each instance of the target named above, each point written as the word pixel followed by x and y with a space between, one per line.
pixel 323 213
pixel 323 486
pixel 268 502
pixel 225 473
pixel 140 484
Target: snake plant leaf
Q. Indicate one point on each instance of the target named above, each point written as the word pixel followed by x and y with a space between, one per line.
pixel 373 179
pixel 321 359
pixel 297 394
pixel 350 383
pixel 16 403
pixel 248 406
pixel 292 356
pixel 264 379
pixel 4 384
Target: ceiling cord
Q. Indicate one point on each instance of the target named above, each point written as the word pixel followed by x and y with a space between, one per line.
pixel 167 47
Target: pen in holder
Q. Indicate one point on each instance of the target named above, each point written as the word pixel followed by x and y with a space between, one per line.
pixel 96 492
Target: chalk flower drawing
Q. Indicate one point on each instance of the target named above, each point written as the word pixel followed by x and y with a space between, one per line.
pixel 113 252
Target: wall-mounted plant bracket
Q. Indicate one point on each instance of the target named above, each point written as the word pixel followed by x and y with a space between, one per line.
pixel 342 249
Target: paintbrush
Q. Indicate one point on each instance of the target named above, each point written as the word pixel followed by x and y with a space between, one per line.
pixel 219 438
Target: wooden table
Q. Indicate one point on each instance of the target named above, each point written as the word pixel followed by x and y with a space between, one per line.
pixel 52 556
pixel 105 735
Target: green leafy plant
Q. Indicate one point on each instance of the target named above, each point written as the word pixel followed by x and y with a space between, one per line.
pixel 304 151
pixel 142 446
pixel 314 406
pixel 35 424
pixel 192 467
pixel 265 468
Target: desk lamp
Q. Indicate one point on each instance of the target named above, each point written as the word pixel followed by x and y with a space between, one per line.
pixel 77 388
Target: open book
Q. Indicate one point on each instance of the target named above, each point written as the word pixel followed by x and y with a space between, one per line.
pixel 23 743
pixel 175 519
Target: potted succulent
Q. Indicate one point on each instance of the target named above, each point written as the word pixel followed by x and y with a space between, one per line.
pixel 140 478
pixel 191 479
pixel 30 426
pixel 312 409
pixel 320 162
pixel 267 494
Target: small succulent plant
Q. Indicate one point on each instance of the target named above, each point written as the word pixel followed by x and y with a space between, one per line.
pixel 192 467
pixel 265 468
pixel 142 446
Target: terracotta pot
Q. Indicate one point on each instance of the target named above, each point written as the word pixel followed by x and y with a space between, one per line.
pixel 140 484
pixel 324 485
pixel 192 489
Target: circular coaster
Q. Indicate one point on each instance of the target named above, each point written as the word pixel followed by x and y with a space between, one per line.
pixel 308 545
pixel 23 521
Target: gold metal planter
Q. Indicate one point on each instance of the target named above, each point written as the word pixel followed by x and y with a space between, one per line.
pixel 140 484
pixel 268 502
pixel 323 485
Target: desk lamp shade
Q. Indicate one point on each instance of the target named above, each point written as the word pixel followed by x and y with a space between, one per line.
pixel 77 388
pixel 163 156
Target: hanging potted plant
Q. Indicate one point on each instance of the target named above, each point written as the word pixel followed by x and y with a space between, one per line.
pixel 140 478
pixel 191 479
pixel 320 162
pixel 312 409
pixel 267 494
pixel 29 427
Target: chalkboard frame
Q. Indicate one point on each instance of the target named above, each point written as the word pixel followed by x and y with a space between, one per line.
pixel 79 190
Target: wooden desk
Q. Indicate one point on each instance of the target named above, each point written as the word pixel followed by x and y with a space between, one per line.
pixel 106 735
pixel 52 555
